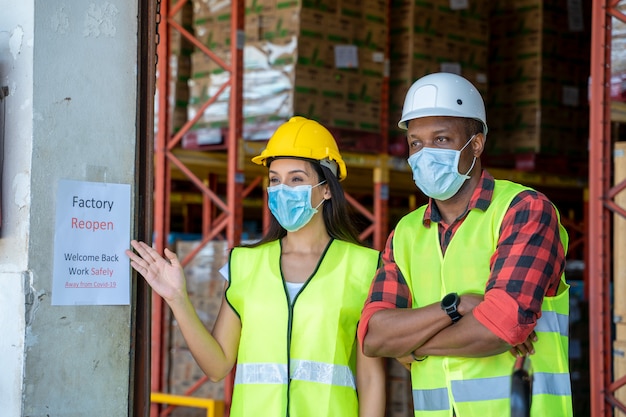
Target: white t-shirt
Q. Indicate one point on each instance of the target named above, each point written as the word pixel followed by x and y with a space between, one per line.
pixel 293 288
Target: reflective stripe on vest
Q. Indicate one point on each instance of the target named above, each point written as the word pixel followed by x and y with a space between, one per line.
pixel 486 389
pixel 551 321
pixel 261 373
pixel 479 386
pixel 275 373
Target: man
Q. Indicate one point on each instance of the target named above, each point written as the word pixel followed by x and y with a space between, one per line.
pixel 474 275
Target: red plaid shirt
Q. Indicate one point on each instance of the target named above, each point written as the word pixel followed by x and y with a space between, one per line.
pixel 526 266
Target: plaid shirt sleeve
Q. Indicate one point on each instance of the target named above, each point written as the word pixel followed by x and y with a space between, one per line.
pixel 526 266
pixel 388 290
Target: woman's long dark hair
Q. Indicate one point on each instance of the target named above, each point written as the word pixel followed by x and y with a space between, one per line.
pixel 335 211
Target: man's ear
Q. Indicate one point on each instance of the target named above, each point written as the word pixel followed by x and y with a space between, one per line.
pixel 478 144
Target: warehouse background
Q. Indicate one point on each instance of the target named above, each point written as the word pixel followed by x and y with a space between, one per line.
pixel 75 83
pixel 348 65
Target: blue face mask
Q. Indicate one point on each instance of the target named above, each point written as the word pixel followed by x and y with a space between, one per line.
pixel 292 205
pixel 436 171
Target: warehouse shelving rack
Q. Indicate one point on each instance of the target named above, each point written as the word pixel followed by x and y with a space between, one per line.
pixel 232 162
pixel 603 384
pixel 385 171
pixel 230 220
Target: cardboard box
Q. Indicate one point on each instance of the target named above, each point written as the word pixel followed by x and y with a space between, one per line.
pixel 323 5
pixel 280 23
pixel 259 6
pixel 351 8
pixel 299 58
pixel 371 36
pixel 203 66
pixel 205 286
pixel 430 36
pixel 537 63
pixel 364 89
pixel 317 53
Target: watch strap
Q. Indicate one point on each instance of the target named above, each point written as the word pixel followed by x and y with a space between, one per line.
pixel 454 314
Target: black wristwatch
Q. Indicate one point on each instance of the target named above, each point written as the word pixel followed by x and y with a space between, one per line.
pixel 449 304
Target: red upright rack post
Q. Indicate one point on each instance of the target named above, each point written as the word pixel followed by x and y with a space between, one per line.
pixel 161 196
pixel 230 220
pixel 600 208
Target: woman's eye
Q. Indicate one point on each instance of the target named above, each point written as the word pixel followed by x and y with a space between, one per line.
pixel 274 181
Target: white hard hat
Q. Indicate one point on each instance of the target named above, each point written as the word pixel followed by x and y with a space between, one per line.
pixel 443 94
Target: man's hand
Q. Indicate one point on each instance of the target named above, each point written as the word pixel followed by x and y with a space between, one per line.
pixel 469 302
pixel 406 361
pixel 525 348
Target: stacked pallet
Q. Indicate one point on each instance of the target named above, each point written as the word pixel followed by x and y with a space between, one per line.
pixel 431 36
pixel 399 391
pixel 205 285
pixel 538 75
pixel 324 60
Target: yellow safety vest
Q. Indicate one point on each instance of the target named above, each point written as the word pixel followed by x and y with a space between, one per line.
pixel 479 386
pixel 298 360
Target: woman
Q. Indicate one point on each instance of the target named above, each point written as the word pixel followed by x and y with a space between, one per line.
pixel 293 301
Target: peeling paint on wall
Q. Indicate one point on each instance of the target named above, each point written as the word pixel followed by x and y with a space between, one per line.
pixel 32 300
pixel 15 41
pixel 21 183
pixel 60 22
pixel 21 198
pixel 100 20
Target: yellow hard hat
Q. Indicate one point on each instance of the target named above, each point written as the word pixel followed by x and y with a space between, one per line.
pixel 304 138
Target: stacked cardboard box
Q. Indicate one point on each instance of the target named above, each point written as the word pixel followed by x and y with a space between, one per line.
pixel 320 59
pixel 399 391
pixel 619 275
pixel 205 286
pixel 432 36
pixel 539 69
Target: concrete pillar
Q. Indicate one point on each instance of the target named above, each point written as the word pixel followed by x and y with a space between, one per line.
pixel 71 72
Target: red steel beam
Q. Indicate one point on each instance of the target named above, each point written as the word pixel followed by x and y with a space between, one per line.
pixel 234 170
pixel 597 217
pixel 381 175
pixel 161 197
pixel 231 217
pixel 600 206
pixel 381 206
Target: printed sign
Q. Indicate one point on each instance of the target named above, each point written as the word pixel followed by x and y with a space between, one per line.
pixel 91 233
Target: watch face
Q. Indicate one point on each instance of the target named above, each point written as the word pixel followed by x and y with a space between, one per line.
pixel 449 300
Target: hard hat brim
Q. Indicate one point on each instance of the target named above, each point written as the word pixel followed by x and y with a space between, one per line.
pixel 434 112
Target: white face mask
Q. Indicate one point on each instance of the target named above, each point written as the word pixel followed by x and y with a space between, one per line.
pixel 436 171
